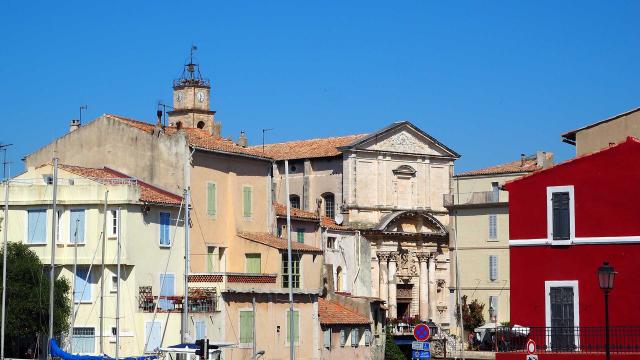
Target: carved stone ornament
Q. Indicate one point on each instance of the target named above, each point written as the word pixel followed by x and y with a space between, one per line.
pixel 407 264
pixel 383 255
pixel 441 284
pixel 423 256
pixel 404 143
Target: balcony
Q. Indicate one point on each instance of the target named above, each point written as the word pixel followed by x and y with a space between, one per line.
pixel 235 282
pixel 201 300
pixel 475 198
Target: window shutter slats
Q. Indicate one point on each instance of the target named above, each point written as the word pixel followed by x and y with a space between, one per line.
pixel 246 327
pixel 211 199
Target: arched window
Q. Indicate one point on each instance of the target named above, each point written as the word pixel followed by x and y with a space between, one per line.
pixel 339 279
pixel 200 125
pixel 329 201
pixel 295 201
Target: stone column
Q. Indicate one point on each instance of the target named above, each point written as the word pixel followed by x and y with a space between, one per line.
pixel 393 305
pixel 384 277
pixel 423 258
pixel 375 276
pixel 432 285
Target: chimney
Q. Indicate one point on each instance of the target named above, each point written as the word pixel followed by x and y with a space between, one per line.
pixel 522 157
pixel 75 125
pixel 242 140
pixel 544 159
pixel 216 129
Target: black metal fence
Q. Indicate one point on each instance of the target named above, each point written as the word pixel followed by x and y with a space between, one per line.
pixel 622 339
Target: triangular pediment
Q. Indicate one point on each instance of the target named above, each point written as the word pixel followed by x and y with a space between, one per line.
pixel 404 137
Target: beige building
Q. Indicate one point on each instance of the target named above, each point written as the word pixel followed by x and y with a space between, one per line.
pixel 604 133
pixel 145 218
pixel 388 185
pixel 234 251
pixel 479 215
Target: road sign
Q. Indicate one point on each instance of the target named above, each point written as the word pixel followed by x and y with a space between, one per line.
pixel 421 332
pixel 420 345
pixel 532 357
pixel 418 354
pixel 531 347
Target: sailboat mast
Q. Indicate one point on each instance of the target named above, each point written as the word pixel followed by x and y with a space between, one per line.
pixel 4 263
pixel 104 235
pixel 118 287
pixel 290 267
pixel 54 228
pixel 185 303
pixel 73 291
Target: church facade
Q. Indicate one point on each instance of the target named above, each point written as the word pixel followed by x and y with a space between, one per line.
pixel 389 185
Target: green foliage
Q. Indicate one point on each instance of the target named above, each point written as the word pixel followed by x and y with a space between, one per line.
pixel 27 308
pixel 472 314
pixel 391 349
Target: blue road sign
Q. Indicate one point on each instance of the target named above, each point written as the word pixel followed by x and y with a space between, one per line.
pixel 421 354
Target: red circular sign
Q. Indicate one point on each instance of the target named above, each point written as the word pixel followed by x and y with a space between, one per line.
pixel 531 346
pixel 421 332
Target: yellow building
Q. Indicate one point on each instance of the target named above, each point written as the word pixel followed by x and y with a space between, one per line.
pixel 145 217
pixel 479 213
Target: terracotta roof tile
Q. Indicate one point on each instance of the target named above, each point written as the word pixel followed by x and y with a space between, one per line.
pixel 148 192
pixel 281 211
pixel 514 167
pixel 331 224
pixel 307 149
pixel 198 138
pixel 333 313
pixel 278 243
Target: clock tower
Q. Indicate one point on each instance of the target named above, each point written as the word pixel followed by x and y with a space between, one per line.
pixel 192 100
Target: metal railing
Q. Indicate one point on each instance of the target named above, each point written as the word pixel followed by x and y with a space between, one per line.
pixel 622 339
pixel 474 198
pixel 201 300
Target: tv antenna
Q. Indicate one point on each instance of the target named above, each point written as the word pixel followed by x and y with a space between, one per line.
pixel 4 147
pixel 263 132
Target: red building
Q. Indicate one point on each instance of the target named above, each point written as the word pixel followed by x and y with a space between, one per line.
pixel 564 222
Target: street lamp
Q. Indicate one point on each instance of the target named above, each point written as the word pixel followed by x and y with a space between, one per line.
pixel 606 275
pixel 494 316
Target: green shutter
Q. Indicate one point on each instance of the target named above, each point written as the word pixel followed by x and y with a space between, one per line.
pixel 210 250
pixel 253 263
pixel 296 326
pixel 301 236
pixel 211 199
pixel 246 327
pixel 246 196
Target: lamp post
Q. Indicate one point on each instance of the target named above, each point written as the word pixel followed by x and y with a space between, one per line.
pixel 606 275
pixel 493 315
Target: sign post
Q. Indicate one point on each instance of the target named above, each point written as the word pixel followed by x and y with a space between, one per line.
pixel 421 348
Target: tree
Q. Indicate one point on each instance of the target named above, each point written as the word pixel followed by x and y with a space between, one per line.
pixel 27 307
pixel 391 349
pixel 472 314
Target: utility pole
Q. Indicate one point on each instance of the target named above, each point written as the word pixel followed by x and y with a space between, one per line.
pixel 5 232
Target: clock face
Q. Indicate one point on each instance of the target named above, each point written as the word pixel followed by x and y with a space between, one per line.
pixel 200 96
pixel 179 96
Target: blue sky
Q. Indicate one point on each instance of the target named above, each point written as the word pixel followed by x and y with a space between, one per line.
pixel 490 79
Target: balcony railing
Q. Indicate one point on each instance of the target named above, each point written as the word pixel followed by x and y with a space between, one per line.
pixel 201 300
pixel 588 339
pixel 474 198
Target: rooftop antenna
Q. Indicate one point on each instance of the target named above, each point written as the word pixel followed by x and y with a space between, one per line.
pixel 263 132
pixel 4 147
pixel 82 107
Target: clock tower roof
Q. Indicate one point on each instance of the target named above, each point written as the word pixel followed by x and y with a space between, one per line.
pixel 191 75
